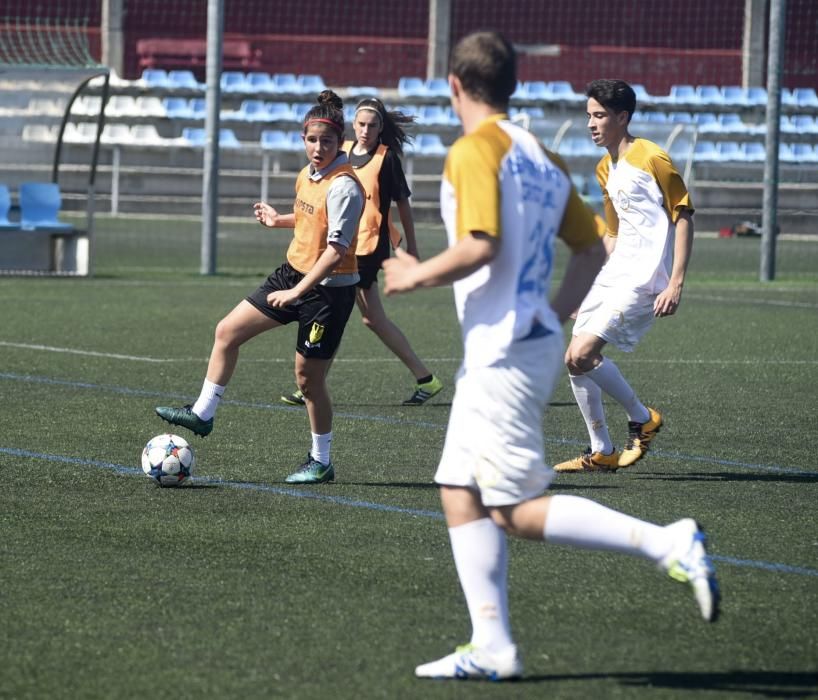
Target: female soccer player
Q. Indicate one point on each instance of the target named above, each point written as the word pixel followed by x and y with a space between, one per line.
pixel 315 287
pixel 379 139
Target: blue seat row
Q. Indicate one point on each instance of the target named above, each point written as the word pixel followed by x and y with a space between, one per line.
pixel 237 81
pixel 736 96
pixel 40 205
pixel 731 151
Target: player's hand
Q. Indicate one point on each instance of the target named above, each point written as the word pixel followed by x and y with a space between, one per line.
pixel 265 214
pixel 413 250
pixel 398 271
pixel 282 298
pixel 667 301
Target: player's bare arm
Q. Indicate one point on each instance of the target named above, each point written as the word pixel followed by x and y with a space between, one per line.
pixel 328 261
pixel 267 215
pixel 668 299
pixel 404 273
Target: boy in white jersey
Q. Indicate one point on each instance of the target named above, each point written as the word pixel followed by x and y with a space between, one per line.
pixel 649 237
pixel 504 201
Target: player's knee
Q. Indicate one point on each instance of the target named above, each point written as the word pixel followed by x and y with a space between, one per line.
pixel 225 333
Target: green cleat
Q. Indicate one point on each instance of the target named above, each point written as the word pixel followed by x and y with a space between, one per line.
pixel 294 399
pixel 312 472
pixel 424 392
pixel 186 418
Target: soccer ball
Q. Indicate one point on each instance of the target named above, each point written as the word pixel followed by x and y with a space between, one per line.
pixel 168 460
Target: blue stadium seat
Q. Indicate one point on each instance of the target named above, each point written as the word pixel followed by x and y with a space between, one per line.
pixel 706 121
pixel 177 108
pixel 437 87
pixel 198 137
pixel 359 91
pixel 536 90
pixel 731 122
pixel 520 92
pixel 786 153
pixel 709 95
pixel 562 90
pixel 296 141
pixel 183 79
pixel 656 117
pixel 155 78
pixel 683 95
pixel 754 151
pixel 260 82
pixel 706 151
pixel 757 95
pixel 310 84
pixel 252 111
pixel 40 204
pixel 730 151
pixel 804 153
pixel 5 207
pixel 642 94
pixel 805 97
pixel 532 112
pixel 803 124
pixel 300 109
pixel 198 108
pixel 278 111
pixel 787 98
pixel 285 83
pixel 234 81
pixel 429 145
pixel 681 117
pixel 277 140
pixel 433 115
pixel 409 86
pixel 734 96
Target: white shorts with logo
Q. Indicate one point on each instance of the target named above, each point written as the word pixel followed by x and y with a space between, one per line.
pixel 620 317
pixel 494 441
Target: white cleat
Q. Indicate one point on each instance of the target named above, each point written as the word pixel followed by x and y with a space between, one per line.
pixel 688 563
pixel 470 662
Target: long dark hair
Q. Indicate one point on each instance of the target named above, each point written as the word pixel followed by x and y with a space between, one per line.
pixel 330 108
pixel 393 134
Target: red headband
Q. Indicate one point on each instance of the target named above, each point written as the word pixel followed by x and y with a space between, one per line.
pixel 323 121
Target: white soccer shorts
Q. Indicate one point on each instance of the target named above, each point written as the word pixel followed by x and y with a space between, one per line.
pixel 619 317
pixel 494 441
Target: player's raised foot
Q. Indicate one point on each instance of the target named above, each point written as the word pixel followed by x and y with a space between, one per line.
pixel 590 462
pixel 639 437
pixel 186 418
pixel 312 472
pixel 470 662
pixel 294 399
pixel 688 563
pixel 424 392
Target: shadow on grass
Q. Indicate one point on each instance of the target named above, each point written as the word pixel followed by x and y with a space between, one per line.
pixel 789 477
pixel 771 684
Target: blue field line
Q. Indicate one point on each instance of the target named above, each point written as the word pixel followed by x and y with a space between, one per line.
pixel 384 419
pixel 350 502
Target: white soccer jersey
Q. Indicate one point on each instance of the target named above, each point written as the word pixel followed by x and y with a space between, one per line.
pixel 500 181
pixel 643 195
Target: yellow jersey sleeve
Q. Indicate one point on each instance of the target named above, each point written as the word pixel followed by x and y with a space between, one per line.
pixel 674 191
pixel 578 228
pixel 603 168
pixel 472 168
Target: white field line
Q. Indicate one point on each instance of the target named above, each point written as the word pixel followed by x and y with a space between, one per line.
pixel 357 360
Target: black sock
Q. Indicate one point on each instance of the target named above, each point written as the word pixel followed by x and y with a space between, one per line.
pixel 425 380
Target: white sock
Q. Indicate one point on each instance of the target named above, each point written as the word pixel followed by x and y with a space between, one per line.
pixel 589 400
pixel 608 377
pixel 580 522
pixel 208 401
pixel 481 559
pixel 320 447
